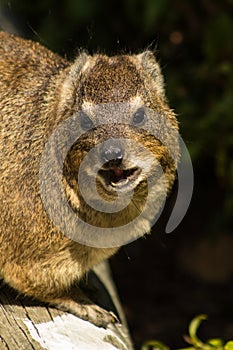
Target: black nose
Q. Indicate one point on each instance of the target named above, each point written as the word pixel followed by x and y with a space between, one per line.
pixel 112 151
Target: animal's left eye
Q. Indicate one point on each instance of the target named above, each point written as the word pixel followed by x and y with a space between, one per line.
pixel 139 117
pixel 85 121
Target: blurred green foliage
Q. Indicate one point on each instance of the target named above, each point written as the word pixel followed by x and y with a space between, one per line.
pixel 194 42
pixel 192 339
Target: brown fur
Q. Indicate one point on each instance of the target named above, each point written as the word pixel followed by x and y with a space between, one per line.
pixel 38 90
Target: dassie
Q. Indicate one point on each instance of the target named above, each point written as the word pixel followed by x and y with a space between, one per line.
pixel 108 100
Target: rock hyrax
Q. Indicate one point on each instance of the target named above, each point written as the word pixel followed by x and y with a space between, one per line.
pixel 112 100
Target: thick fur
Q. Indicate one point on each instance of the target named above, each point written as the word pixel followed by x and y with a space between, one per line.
pixel 39 90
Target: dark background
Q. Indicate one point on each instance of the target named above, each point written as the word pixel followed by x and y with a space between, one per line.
pixel 166 279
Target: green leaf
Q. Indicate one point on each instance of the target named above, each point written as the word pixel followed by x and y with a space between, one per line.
pixel 216 343
pixel 229 345
pixel 193 327
pixel 154 345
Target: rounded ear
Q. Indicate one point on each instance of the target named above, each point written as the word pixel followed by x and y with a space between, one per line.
pixel 70 80
pixel 77 66
pixel 150 65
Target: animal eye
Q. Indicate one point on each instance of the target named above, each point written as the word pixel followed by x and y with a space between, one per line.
pixel 85 122
pixel 139 117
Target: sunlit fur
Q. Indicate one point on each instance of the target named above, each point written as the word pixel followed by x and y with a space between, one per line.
pixel 39 90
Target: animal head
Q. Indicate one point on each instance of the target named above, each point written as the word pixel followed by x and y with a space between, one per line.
pixel 124 139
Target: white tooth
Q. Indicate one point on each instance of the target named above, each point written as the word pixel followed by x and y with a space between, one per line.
pixel 121 182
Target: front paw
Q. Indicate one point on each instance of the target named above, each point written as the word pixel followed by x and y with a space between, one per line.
pixel 86 310
pixel 97 315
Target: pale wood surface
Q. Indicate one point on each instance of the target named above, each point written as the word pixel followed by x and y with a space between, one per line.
pixel 29 325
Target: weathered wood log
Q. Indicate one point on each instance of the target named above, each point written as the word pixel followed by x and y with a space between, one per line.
pixel 28 325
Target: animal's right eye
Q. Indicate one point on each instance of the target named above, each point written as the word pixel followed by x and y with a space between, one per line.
pixel 139 117
pixel 85 122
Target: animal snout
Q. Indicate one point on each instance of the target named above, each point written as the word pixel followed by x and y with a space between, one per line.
pixel 112 151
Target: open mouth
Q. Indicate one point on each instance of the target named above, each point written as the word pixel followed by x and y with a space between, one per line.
pixel 117 178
